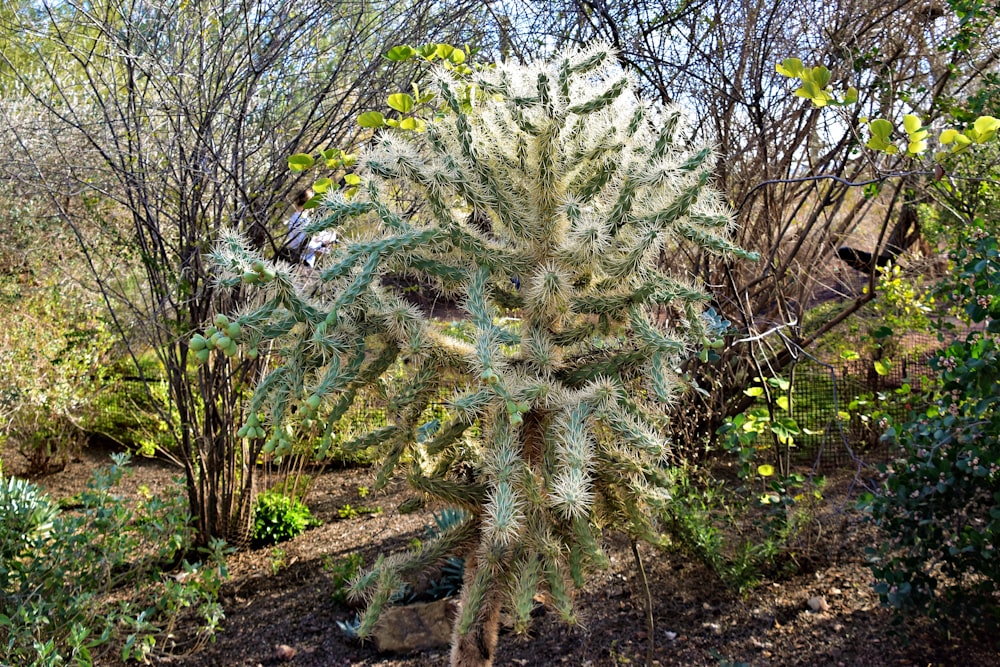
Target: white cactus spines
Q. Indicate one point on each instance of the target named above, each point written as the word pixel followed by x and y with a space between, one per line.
pixel 547 198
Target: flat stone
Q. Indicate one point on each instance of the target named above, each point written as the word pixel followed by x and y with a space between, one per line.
pixel 421 626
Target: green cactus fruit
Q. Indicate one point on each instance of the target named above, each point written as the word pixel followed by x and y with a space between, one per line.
pixel 233 330
pixel 253 353
pixel 201 356
pixel 197 343
pixel 257 266
pixel 250 278
pixel 221 321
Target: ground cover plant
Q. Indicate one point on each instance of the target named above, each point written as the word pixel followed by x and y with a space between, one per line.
pixel 102 575
pixel 542 196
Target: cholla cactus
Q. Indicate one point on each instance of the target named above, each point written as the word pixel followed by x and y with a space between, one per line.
pixel 548 197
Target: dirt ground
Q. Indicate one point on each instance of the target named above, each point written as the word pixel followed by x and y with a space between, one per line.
pixel 698 621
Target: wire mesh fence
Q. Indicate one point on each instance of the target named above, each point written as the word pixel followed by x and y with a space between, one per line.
pixel 841 405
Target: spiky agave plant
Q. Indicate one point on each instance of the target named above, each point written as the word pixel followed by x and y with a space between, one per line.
pixel 550 198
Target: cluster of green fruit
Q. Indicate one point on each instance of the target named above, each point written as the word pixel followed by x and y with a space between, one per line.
pixel 222 336
pixel 252 429
pixel 258 273
pixel 278 444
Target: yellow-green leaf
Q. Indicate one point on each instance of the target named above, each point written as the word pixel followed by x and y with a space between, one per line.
pixel 821 76
pixel 911 123
pixel 765 470
pixel 401 102
pixel 986 128
pixel 300 162
pixel 352 179
pixel 444 51
pixel 790 67
pixel 782 402
pixel 881 128
pixel 457 57
pixel 400 53
pixel 882 368
pixel 322 185
pixel 371 119
pixel 948 136
pixel 916 147
pixel 753 391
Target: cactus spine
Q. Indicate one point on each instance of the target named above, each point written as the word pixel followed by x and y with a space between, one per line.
pixel 550 193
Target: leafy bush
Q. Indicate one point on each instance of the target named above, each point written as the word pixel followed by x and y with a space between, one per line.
pixel 278 517
pixel 72 583
pixel 941 506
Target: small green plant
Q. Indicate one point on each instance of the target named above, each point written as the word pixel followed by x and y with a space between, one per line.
pixel 342 572
pixel 349 512
pixel 278 518
pixel 279 560
pixel 778 502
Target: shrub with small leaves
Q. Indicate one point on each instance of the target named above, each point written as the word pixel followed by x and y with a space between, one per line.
pixel 74 584
pixel 277 517
pixel 941 503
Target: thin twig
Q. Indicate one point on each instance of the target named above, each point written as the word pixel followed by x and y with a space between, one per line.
pixel 650 625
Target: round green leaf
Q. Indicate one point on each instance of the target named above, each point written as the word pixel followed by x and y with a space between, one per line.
pixel 322 185
pixel 415 124
pixel 401 102
pixel 765 470
pixel 400 53
pixel 371 119
pixel 300 162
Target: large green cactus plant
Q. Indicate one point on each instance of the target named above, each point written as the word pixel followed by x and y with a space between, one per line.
pixel 549 198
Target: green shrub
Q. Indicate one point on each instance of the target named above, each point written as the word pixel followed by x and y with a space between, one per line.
pixel 73 584
pixel 941 502
pixel 49 383
pixel 278 517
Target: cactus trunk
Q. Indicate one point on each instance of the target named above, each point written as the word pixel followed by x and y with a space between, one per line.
pixel 476 647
